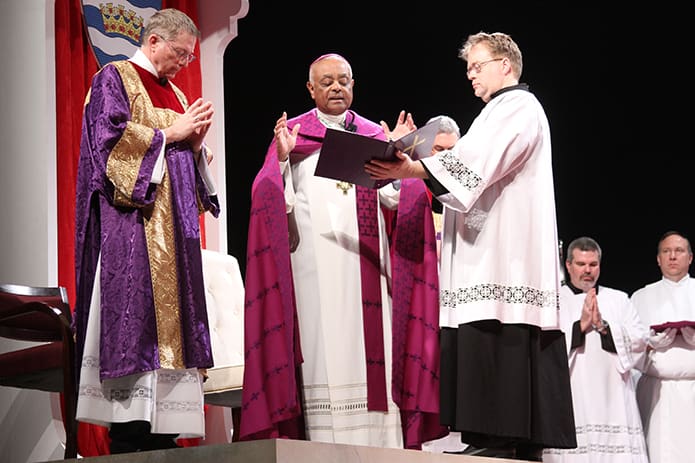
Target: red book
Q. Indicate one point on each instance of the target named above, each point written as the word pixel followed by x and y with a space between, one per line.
pixel 677 325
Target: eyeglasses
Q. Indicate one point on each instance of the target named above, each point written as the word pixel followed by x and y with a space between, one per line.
pixel 477 67
pixel 180 53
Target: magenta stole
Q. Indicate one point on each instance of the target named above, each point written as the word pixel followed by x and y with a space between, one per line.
pixel 271 406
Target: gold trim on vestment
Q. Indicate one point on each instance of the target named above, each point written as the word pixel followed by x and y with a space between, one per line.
pixel 125 159
pixel 158 217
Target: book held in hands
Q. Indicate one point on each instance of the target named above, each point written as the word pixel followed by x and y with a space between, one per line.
pixel 678 325
pixel 344 154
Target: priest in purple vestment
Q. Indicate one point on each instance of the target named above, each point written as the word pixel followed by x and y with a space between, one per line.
pixel 341 335
pixel 143 341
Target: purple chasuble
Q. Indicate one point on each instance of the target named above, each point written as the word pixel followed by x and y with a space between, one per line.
pixel 121 140
pixel 270 396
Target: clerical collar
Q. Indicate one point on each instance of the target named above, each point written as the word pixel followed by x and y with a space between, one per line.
pixel 576 290
pixel 507 89
pixel 144 62
pixel 331 121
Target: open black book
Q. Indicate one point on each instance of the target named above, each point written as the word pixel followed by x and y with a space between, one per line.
pixel 344 154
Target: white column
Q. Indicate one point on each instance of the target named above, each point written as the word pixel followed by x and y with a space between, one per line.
pixel 218 26
pixel 32 430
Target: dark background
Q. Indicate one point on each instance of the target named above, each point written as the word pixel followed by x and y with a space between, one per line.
pixel 615 87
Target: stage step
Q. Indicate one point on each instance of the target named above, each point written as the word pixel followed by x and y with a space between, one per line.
pixel 285 451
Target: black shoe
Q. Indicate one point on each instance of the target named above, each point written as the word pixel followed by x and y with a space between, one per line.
pixel 529 452
pixel 121 447
pixel 160 442
pixel 488 452
pixel 135 436
pixel 127 437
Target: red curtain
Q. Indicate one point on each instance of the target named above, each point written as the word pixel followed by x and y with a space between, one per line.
pixel 75 66
pixel 74 58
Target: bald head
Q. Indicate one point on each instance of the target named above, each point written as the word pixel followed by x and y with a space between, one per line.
pixel 331 56
pixel 330 83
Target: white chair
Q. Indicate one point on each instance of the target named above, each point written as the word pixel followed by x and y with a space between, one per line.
pixel 224 289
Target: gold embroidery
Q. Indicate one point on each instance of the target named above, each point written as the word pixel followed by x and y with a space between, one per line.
pixel 161 247
pixel 158 219
pixel 125 159
pixel 344 186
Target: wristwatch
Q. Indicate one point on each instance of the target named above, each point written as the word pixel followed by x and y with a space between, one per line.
pixel 601 327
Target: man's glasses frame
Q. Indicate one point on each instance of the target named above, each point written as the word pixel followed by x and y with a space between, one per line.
pixel 180 54
pixel 477 67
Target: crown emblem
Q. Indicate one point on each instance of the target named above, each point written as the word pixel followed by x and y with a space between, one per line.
pixel 118 20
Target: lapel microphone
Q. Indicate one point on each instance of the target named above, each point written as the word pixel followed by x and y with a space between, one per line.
pixel 351 127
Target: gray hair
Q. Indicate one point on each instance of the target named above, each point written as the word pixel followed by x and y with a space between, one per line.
pixel 583 243
pixel 500 45
pixel 168 24
pixel 446 125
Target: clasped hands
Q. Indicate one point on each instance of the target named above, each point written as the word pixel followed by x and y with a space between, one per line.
pixel 192 126
pixel 591 316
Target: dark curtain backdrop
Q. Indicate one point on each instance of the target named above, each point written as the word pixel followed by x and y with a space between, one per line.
pixel 612 84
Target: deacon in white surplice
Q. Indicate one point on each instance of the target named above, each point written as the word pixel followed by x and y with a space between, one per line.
pixel 504 376
pixel 607 338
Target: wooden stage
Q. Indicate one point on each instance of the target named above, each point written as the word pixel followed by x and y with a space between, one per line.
pixel 285 451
